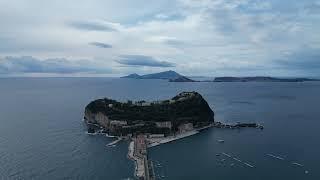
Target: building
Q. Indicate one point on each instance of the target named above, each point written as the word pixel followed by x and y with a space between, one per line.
pixel 165 124
pixel 156 135
pixel 185 127
pixel 118 123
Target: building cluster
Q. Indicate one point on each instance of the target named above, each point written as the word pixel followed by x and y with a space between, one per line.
pixel 184 96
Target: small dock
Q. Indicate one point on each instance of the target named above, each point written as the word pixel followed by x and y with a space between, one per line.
pixel 113 143
pixel 144 167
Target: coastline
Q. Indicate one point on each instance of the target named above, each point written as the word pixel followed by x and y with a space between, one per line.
pixel 163 140
pixel 158 141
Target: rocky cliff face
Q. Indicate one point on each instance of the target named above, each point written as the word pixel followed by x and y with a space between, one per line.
pixel 96 118
pixel 186 107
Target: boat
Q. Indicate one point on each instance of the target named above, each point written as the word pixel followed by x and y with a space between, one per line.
pixel 237 159
pixel 220 140
pixel 226 155
pixel 297 164
pixel 277 157
pixel 249 165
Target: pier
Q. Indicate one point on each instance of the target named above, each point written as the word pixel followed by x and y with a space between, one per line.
pixel 144 167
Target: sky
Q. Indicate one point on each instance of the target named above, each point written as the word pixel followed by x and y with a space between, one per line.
pixel 192 37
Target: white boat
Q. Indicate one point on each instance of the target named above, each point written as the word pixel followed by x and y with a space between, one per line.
pixel 248 165
pixel 277 157
pixel 297 164
pixel 226 155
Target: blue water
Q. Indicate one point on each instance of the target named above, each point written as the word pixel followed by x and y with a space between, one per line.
pixel 42 135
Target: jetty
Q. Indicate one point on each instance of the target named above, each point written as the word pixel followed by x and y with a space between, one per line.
pixel 138 152
pixel 113 143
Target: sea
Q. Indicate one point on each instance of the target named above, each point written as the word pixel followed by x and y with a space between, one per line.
pixel 43 136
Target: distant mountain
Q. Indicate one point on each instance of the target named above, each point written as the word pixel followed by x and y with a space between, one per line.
pixel 173 76
pixel 261 79
pixel 160 75
pixel 182 79
pixel 133 76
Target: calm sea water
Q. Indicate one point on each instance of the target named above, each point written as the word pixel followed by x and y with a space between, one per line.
pixel 42 135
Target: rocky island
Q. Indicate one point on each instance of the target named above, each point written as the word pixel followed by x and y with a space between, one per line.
pixel 148 124
pixel 186 111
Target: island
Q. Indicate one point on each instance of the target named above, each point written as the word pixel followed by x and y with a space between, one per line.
pixel 182 79
pixel 172 76
pixel 261 79
pixel 149 124
pixel 186 111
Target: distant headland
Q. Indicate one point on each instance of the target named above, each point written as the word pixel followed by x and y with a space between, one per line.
pixel 261 79
pixel 173 76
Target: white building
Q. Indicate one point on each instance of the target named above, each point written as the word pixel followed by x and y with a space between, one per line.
pixel 118 123
pixel 185 127
pixel 165 124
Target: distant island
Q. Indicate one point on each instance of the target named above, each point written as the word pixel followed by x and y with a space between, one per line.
pixel 173 76
pixel 261 79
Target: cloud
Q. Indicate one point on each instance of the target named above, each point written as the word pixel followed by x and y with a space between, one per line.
pixel 29 64
pixel 92 25
pixel 201 36
pixel 100 45
pixel 313 7
pixel 140 60
pixel 165 40
pixel 169 16
pixel 304 59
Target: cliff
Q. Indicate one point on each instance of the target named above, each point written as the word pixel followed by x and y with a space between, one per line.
pixel 186 110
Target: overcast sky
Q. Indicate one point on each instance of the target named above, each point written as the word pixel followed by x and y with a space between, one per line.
pixel 192 37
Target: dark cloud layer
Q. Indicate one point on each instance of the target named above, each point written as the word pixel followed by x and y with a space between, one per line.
pixel 306 59
pixel 140 60
pixel 100 45
pixel 91 26
pixel 29 64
